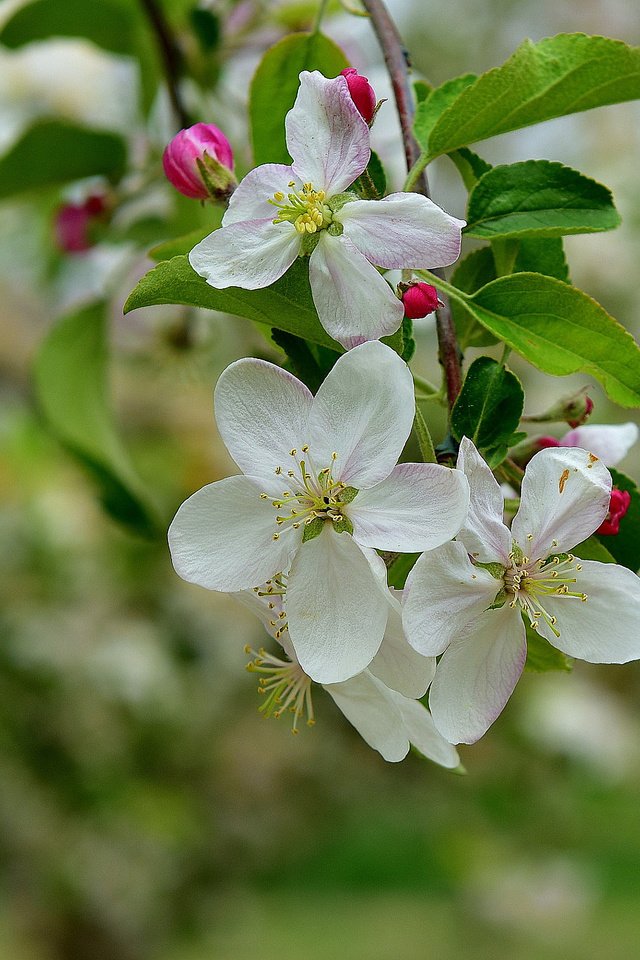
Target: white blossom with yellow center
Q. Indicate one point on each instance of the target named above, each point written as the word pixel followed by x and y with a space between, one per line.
pixel 466 600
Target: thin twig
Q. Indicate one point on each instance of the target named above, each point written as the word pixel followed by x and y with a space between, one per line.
pixel 395 57
pixel 170 56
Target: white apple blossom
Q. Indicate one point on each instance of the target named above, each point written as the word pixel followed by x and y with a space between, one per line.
pixel 382 702
pixel 465 600
pixel 280 212
pixel 321 485
pixel 609 441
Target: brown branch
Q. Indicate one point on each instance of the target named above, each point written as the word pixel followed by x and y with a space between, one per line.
pixel 396 60
pixel 170 56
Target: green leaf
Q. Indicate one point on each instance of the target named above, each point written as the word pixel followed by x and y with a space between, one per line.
pixel 424 438
pixel 372 184
pixel 107 24
pixel 542 256
pixel 275 85
pixel 624 546
pixel 400 569
pixel 52 152
pixel 558 329
pixel 538 198
pixel 302 361
pixel 470 166
pixel 488 409
pixel 178 246
pixel 71 388
pixel 593 549
pixel 438 102
pixel 542 657
pixel 475 271
pixel 559 75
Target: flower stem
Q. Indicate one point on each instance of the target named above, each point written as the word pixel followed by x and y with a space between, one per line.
pixel 170 56
pixel 395 58
pixel 319 16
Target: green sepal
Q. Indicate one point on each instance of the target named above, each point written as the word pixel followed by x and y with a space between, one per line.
pixel 343 525
pixel 312 529
pixel 516 552
pixel 499 600
pixel 497 570
pixel 348 494
pixel 338 201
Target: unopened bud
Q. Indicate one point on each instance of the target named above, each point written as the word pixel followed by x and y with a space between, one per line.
pixel 73 223
pixel 361 93
pixel 419 299
pixel 199 163
pixel 574 409
pixel 522 452
pixel 618 506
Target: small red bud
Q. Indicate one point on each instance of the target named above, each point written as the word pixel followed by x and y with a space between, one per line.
pixel 583 415
pixel 618 506
pixel 542 443
pixel 200 147
pixel 419 299
pixel 361 92
pixel 73 221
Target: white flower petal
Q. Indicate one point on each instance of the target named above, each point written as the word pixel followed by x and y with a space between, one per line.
pixel 326 135
pixel 565 497
pixel 444 592
pixel 363 412
pixel 398 665
pixel 609 441
pixel 250 199
pixel 477 675
pixel 484 534
pixel 222 537
pixel 262 412
pixel 354 302
pixel 422 733
pixel 336 613
pixel 403 231
pixel 605 628
pixel 417 507
pixel 369 707
pixel 251 254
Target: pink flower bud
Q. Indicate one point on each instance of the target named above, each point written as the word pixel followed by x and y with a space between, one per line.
pixel 543 443
pixel 582 415
pixel 73 222
pixel 618 506
pixel 199 162
pixel 361 92
pixel 419 299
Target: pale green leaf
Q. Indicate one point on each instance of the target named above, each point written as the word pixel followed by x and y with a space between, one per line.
pixel 107 24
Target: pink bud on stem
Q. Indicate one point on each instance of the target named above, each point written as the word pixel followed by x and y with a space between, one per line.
pixel 198 162
pixel 419 299
pixel 73 222
pixel 618 506
pixel 361 92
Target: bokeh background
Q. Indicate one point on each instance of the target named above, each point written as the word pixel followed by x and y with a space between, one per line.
pixel 147 812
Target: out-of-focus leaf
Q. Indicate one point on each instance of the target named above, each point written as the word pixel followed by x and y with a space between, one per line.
pixel 542 657
pixel 178 246
pixel 71 388
pixel 488 409
pixel 624 546
pixel 105 23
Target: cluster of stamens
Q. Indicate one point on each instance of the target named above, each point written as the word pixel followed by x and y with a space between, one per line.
pixel 313 494
pixel 273 593
pixel 305 208
pixel 284 686
pixel 530 582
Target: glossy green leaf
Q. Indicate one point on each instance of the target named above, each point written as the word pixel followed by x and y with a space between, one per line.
pixel 107 24
pixel 488 409
pixel 71 388
pixel 542 657
pixel 275 85
pixel 624 546
pixel 437 102
pixel 538 198
pixel 470 166
pixel 593 549
pixel 556 76
pixel 52 152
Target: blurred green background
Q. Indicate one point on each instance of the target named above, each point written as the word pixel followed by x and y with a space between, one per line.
pixel 147 812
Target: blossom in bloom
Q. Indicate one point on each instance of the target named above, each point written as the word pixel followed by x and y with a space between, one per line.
pixel 320 485
pixel 199 162
pixel 381 702
pixel 362 93
pixel 419 300
pixel 279 213
pixel 465 600
pixel 618 506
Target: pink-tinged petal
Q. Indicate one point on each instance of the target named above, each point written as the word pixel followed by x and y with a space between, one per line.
pixel 422 733
pixel 252 254
pixel 565 497
pixel 403 231
pixel 336 614
pixel 222 537
pixel 326 136
pixel 363 412
pixel 417 507
pixel 354 302
pixel 369 707
pixel 477 675
pixel 250 199
pixel 398 665
pixel 609 441
pixel 484 534
pixel 262 412
pixel 606 627
pixel 443 594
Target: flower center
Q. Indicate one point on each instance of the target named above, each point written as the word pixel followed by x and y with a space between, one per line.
pixel 284 686
pixel 530 583
pixel 305 209
pixel 313 497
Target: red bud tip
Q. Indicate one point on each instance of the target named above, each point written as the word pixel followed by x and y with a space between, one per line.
pixel 73 221
pixel 584 415
pixel 201 142
pixel 618 506
pixel 542 443
pixel 361 92
pixel 419 299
